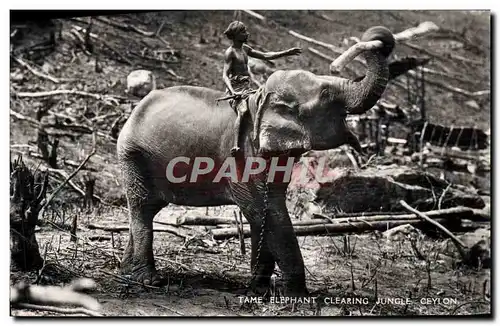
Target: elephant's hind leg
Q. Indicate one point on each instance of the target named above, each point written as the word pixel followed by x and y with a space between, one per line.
pixel 143 203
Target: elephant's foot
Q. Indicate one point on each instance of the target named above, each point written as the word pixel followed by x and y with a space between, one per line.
pixel 261 286
pixel 267 288
pixel 143 273
pixel 295 289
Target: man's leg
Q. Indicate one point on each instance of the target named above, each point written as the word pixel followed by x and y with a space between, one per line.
pixel 236 148
pixel 241 109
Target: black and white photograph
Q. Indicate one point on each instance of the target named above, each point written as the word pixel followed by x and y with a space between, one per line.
pixel 250 163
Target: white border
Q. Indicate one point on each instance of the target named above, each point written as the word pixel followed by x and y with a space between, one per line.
pixel 165 5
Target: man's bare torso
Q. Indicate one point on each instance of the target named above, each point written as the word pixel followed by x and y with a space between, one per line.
pixel 239 64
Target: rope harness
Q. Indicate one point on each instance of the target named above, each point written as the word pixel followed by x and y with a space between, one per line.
pixel 261 97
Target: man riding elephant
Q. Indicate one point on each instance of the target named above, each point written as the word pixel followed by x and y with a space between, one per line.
pixel 237 75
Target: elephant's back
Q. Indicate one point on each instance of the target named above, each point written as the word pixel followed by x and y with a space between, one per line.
pixel 176 116
pixel 179 100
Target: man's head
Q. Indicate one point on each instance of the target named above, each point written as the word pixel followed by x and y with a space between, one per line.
pixel 236 31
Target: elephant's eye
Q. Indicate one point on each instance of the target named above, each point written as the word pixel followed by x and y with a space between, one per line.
pixel 286 107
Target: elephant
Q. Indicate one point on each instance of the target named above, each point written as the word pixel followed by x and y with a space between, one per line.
pixel 295 111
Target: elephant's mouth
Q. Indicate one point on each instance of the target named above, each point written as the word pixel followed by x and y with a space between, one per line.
pixel 293 152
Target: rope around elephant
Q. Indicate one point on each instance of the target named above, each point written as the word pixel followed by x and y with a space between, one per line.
pixel 262 228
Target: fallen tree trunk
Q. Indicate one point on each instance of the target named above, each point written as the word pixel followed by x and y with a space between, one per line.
pixel 454 212
pixel 328 226
pixel 321 226
pixel 58 296
pixel 332 229
pixel 319 219
pixel 69 92
pixel 124 228
pixel 204 220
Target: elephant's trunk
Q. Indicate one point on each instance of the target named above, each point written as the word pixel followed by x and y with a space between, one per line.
pixel 361 96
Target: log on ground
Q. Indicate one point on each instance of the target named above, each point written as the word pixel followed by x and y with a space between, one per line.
pixel 335 228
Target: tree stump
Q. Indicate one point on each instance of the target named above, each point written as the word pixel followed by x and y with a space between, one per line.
pixel 74 225
pixel 52 160
pixel 27 192
pixel 42 142
pixel 89 182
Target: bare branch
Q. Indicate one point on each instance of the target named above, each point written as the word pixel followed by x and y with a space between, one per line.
pixel 106 44
pixel 410 33
pixel 35 72
pixel 124 27
pixel 254 14
pixel 311 40
pixel 123 228
pixel 55 192
pixel 321 54
pixel 442 195
pixel 72 185
pixel 450 88
pixel 459 244
pixel 69 92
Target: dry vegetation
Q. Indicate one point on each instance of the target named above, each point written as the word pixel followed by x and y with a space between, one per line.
pixel 90 61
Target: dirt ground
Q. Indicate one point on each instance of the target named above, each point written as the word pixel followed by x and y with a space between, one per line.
pixel 206 277
pixel 209 278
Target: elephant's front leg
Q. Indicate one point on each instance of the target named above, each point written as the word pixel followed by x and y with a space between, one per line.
pixel 247 197
pixel 284 247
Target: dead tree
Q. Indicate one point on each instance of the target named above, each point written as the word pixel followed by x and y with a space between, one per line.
pixel 116 127
pixel 27 192
pixel 72 231
pixel 52 159
pixel 89 183
pixel 87 40
pixel 43 140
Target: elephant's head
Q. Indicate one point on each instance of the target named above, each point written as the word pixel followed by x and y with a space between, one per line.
pixel 301 111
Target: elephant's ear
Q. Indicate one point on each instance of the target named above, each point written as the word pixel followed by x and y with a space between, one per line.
pixel 260 101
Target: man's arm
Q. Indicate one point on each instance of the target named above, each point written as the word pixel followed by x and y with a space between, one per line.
pixel 271 55
pixel 228 60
